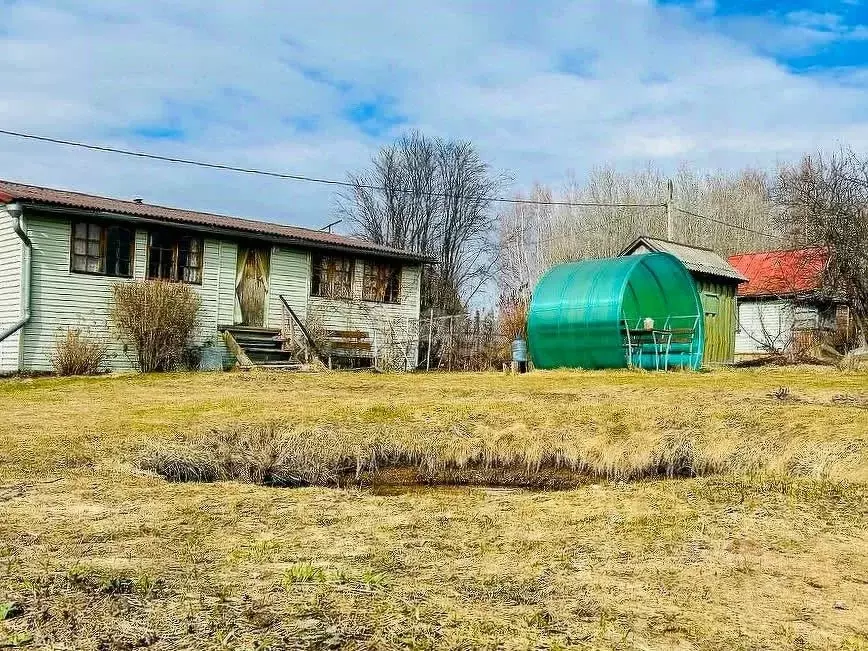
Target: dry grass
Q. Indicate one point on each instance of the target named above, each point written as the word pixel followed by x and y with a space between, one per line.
pixel 95 553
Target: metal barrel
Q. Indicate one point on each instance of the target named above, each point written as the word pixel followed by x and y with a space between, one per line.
pixel 519 350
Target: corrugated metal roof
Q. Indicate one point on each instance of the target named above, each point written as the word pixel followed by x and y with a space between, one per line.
pixel 696 258
pixel 776 273
pixel 249 227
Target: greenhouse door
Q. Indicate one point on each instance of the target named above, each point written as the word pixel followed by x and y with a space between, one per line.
pixel 251 286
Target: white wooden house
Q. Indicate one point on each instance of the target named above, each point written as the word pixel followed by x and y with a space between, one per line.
pixel 61 253
pixel 782 308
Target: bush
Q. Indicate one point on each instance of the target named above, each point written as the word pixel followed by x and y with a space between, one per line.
pixel 158 319
pixel 77 354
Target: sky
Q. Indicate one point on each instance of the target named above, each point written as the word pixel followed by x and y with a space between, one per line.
pixel 543 89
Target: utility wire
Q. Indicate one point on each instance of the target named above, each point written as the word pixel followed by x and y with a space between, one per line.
pixel 311 179
pixel 686 212
pixel 723 223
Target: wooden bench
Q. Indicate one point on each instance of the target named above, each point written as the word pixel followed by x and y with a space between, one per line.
pixel 348 343
pixel 659 343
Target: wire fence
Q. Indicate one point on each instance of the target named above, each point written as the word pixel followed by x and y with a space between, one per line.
pixel 463 342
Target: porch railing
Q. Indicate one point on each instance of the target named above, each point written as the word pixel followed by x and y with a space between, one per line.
pixel 290 323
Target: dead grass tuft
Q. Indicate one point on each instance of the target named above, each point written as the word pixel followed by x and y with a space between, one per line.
pixel 75 353
pixel 252 455
pixel 276 455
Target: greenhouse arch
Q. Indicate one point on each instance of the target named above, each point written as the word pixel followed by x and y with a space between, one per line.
pixel 639 311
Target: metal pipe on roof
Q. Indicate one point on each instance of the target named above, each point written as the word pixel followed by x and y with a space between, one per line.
pixel 16 214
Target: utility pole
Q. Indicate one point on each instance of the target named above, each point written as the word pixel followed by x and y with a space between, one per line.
pixel 670 234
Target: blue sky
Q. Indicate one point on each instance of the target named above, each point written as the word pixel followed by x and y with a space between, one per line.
pixel 544 89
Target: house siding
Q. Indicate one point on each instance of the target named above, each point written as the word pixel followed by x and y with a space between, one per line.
pixel 763 324
pixel 719 328
pixel 11 257
pixel 62 299
pixel 225 306
pixel 386 323
pixel 778 325
pixel 290 278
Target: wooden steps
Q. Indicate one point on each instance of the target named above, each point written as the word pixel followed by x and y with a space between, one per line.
pixel 260 347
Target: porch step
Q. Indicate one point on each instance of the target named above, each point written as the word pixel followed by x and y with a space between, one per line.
pixel 262 346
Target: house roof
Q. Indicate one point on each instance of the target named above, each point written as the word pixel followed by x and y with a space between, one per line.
pixel 280 233
pixel 776 273
pixel 696 258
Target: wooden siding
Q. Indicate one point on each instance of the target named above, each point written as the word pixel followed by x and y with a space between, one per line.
pixel 290 277
pixel 763 324
pixel 11 252
pixel 719 328
pixel 62 299
pixel 370 316
pixel 227 254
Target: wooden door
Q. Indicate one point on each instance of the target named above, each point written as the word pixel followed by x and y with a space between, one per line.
pixel 251 288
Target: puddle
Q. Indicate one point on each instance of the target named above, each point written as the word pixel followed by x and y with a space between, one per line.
pixel 391 490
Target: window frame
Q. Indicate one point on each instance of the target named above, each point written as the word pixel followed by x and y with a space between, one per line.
pixel 367 274
pixel 314 273
pixel 177 237
pixel 103 247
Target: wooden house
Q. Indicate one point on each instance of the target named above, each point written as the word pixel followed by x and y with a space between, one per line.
pixel 782 308
pixel 260 284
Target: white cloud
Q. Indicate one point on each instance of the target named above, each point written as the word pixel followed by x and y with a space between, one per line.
pixel 541 88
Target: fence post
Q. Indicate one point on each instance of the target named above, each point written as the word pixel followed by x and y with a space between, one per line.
pixel 451 322
pixel 430 336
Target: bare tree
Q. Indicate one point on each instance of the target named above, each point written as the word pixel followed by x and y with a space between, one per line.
pixel 534 238
pixel 430 196
pixel 822 201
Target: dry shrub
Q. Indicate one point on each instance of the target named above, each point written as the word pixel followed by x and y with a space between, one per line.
pixel 77 354
pixel 158 318
pixel 513 307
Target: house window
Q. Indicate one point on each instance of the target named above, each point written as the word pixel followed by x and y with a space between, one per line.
pixel 382 282
pixel 332 276
pixel 175 257
pixel 711 304
pixel 101 249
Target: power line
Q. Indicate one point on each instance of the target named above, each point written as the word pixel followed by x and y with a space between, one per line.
pixel 311 179
pixel 686 212
pixel 723 223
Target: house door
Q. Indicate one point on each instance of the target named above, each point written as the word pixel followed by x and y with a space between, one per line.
pixel 251 286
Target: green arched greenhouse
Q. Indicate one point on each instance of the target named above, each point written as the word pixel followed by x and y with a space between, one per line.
pixel 639 311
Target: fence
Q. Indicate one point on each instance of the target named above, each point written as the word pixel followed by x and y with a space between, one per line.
pixel 463 342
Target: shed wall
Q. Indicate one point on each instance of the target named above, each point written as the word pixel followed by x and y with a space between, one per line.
pixel 719 328
pixel 11 256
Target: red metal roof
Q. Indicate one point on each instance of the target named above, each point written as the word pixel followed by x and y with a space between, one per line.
pixel 33 194
pixel 780 273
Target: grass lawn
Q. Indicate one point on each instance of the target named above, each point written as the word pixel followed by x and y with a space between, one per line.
pixel 769 551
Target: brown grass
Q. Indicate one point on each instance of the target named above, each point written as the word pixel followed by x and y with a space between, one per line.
pixel 97 554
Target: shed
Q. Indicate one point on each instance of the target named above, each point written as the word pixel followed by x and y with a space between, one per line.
pixel 636 311
pixel 717 282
